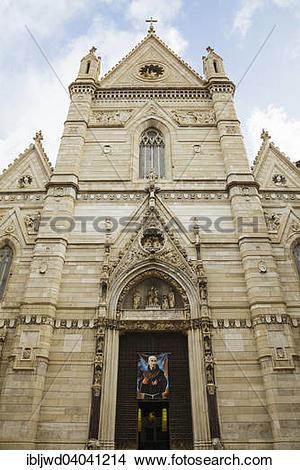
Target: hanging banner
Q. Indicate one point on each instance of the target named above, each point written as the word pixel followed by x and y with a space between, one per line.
pixel 152 376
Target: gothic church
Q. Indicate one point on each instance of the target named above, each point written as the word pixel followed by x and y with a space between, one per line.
pixel 150 283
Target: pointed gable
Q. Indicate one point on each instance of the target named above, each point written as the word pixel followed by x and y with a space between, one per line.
pixel 273 169
pixel 30 171
pixel 151 64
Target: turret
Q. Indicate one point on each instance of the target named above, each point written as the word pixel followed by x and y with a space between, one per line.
pixel 89 66
pixel 213 65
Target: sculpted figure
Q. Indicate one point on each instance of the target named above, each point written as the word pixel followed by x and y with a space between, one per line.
pixel 156 301
pixel 171 297
pixel 165 302
pixel 137 300
pixel 150 298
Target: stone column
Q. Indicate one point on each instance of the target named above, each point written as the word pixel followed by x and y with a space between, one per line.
pixel 198 391
pixel 109 391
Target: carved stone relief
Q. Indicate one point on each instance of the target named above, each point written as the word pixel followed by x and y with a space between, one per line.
pixel 194 118
pixel 155 238
pixel 32 222
pixel 24 181
pixel 98 362
pixel 152 294
pixel 272 221
pixel 153 290
pixel 279 179
pixel 151 71
pixel 232 129
pixel 111 118
pixel 262 267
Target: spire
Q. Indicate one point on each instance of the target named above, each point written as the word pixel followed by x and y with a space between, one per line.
pixel 89 66
pixel 213 65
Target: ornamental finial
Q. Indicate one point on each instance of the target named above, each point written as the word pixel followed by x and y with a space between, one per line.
pixel 151 27
pixel 38 136
pixel 265 135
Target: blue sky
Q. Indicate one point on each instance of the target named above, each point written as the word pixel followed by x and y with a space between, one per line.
pixel 32 97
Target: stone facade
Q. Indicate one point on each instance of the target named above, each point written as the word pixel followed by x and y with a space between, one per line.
pixel 90 237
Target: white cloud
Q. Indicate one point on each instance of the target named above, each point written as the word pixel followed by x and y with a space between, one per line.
pixel 34 99
pixel 244 17
pixel 285 132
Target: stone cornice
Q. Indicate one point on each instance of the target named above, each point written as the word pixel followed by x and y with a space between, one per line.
pixel 216 86
pixel 150 325
pixel 146 94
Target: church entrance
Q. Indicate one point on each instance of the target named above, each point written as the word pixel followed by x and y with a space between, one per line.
pixel 153 425
pixel 153 401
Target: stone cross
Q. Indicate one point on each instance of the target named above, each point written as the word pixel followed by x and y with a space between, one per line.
pixel 151 28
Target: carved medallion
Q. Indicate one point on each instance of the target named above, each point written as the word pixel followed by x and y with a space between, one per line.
pixel 151 71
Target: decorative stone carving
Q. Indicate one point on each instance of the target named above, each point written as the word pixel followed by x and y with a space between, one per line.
pixel 203 291
pixel 43 267
pixel 32 222
pixel 208 356
pixel 3 333
pixel 111 118
pixel 281 359
pixel 152 243
pixel 58 191
pixel 272 221
pixel 152 189
pixel 262 267
pixel 152 325
pixel 232 129
pixel 171 298
pixel 154 300
pixel 9 229
pixel 98 362
pixel 151 71
pixel 194 118
pixel 137 300
pixel 153 295
pixel 92 444
pixel 217 444
pixel 295 227
pixel 246 192
pixel 24 181
pixel 279 180
pixel 26 354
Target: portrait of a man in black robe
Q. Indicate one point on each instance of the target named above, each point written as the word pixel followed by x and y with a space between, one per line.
pixel 152 380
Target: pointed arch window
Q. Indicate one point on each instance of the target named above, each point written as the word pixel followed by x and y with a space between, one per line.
pixel 296 254
pixel 6 254
pixel 152 154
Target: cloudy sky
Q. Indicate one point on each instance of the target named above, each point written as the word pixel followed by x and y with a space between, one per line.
pixel 42 42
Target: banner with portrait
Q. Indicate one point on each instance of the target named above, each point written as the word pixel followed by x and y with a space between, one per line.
pixel 152 376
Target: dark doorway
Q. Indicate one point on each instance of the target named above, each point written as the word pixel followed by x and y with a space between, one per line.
pixel 153 425
pixel 178 403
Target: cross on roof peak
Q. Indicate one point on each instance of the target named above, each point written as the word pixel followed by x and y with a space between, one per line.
pixel 151 27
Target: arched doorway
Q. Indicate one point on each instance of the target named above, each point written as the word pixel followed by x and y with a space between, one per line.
pixel 136 325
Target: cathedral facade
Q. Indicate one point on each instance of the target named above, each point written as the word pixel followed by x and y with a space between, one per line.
pixel 150 282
